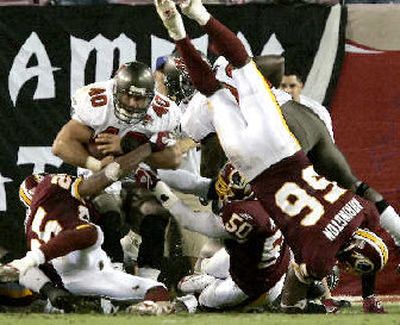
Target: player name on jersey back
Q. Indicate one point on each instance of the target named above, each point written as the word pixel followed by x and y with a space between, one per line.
pixel 342 219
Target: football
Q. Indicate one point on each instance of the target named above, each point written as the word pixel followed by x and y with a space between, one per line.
pixel 94 151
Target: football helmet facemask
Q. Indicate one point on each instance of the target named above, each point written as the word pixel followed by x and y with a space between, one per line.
pixel 177 80
pixel 132 79
pixel 365 253
pixel 231 185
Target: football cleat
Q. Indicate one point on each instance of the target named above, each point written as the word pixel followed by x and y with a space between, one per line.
pixel 373 305
pixel 186 304
pixel 195 283
pixel 331 305
pixel 308 307
pixel 152 308
pixel 8 273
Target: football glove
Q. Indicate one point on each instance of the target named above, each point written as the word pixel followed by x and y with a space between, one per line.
pixel 161 140
pixel 171 19
pixel 146 178
pixel 195 10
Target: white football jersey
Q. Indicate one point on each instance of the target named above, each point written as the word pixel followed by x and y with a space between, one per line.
pixel 196 122
pixel 93 106
pixel 224 74
pixel 197 119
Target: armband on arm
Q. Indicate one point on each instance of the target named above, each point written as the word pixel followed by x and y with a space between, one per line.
pixel 164 195
pixel 93 164
pixel 361 189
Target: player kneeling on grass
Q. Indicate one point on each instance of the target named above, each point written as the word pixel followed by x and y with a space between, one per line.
pixel 61 233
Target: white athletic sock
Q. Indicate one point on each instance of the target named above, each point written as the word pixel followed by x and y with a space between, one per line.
pixel 149 273
pixel 34 279
pixel 390 221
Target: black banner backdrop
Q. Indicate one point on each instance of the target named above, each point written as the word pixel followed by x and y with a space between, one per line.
pixel 48 52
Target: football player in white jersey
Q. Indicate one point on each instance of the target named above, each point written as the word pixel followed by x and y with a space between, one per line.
pixel 102 113
pixel 126 103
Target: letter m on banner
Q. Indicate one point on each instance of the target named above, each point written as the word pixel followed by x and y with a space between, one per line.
pixel 105 51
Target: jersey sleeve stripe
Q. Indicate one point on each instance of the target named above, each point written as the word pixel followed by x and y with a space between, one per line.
pixel 278 108
pixel 23 196
pixel 75 188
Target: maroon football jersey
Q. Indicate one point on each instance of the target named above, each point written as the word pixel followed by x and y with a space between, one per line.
pixel 259 257
pixel 59 220
pixel 316 216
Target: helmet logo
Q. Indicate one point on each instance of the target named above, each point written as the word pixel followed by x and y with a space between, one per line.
pixel 135 91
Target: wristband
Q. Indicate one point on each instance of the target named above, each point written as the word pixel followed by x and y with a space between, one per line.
pixel 35 257
pixel 112 171
pixel 93 164
pixel 165 195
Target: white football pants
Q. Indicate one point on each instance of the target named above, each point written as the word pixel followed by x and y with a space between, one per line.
pixel 253 134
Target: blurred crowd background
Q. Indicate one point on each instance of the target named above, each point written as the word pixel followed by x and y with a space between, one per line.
pixel 222 2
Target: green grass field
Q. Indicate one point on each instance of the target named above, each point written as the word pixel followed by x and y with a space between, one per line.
pixel 352 316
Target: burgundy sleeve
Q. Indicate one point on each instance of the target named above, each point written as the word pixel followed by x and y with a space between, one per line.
pixel 226 42
pixel 201 74
pixel 70 240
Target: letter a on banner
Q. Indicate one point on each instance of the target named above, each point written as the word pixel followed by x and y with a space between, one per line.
pixel 20 73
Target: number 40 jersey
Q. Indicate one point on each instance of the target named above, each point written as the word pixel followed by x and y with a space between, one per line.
pixel 93 106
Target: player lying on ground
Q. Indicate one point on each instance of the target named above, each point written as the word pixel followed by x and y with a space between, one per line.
pixel 61 232
pixel 310 210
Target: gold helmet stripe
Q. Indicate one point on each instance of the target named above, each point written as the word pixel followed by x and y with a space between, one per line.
pixel 23 196
pixel 375 241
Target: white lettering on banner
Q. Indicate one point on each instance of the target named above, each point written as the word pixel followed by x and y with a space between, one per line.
pixel 160 46
pixel 273 46
pixel 20 73
pixel 105 52
pixel 3 196
pixel 39 157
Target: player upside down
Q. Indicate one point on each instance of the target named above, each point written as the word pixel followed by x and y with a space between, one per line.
pixel 311 211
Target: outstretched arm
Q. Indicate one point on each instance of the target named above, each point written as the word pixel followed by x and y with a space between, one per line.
pixel 224 40
pixel 206 223
pixel 124 164
pixel 112 172
pixel 200 72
